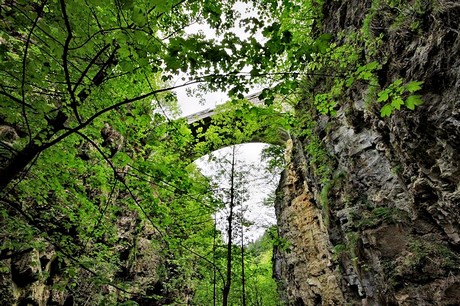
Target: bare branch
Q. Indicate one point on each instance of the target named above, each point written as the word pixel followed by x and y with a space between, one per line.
pixel 65 53
pixel 176 31
pixel 102 32
pixel 94 15
pixel 91 63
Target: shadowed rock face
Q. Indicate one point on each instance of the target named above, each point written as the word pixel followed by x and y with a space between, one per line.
pixel 37 276
pixel 393 219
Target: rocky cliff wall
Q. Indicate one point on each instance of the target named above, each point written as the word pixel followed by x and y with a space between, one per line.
pixel 38 276
pixel 303 265
pixel 384 228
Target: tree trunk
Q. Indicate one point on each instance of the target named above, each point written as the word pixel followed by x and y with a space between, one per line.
pixel 243 279
pixel 228 281
pixel 17 164
pixel 214 274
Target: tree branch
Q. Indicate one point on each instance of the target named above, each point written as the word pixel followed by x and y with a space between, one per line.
pixel 17 100
pixel 24 63
pixel 101 31
pixel 38 27
pixel 65 53
pixel 91 63
pixel 172 7
pixel 28 153
pixel 112 107
pixel 8 147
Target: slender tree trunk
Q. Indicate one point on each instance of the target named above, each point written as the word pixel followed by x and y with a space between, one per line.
pixel 228 281
pixel 243 279
pixel 214 294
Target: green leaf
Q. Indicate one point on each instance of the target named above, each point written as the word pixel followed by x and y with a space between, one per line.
pixel 172 63
pixel 139 17
pixel 414 86
pixel 162 6
pixel 397 102
pixel 322 43
pixel 365 75
pixel 383 96
pixel 397 83
pixel 372 65
pixel 349 81
pixel 386 110
pixel 413 101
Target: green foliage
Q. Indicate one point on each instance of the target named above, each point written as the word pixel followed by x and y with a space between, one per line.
pixel 352 248
pixel 239 121
pixel 273 155
pixel 85 87
pixel 239 269
pixel 260 286
pixel 379 215
pixel 393 96
pixel 119 53
pixel 421 256
pixel 423 252
pixel 351 59
pixel 338 250
pixel 319 159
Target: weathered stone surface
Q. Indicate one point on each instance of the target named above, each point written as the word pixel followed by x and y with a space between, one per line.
pixel 304 264
pixel 394 216
pixel 39 277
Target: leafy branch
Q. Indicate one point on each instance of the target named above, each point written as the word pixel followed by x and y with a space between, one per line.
pixel 65 53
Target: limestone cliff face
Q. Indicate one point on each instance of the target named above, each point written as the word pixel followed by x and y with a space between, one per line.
pixel 303 265
pixel 390 232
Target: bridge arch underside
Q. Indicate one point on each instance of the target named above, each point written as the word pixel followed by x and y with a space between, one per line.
pixel 237 127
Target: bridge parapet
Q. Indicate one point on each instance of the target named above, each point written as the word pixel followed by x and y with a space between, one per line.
pixel 209 112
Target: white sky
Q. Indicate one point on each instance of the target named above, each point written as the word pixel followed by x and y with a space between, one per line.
pixel 261 184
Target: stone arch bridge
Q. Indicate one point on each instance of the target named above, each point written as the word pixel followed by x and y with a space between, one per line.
pixel 237 122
